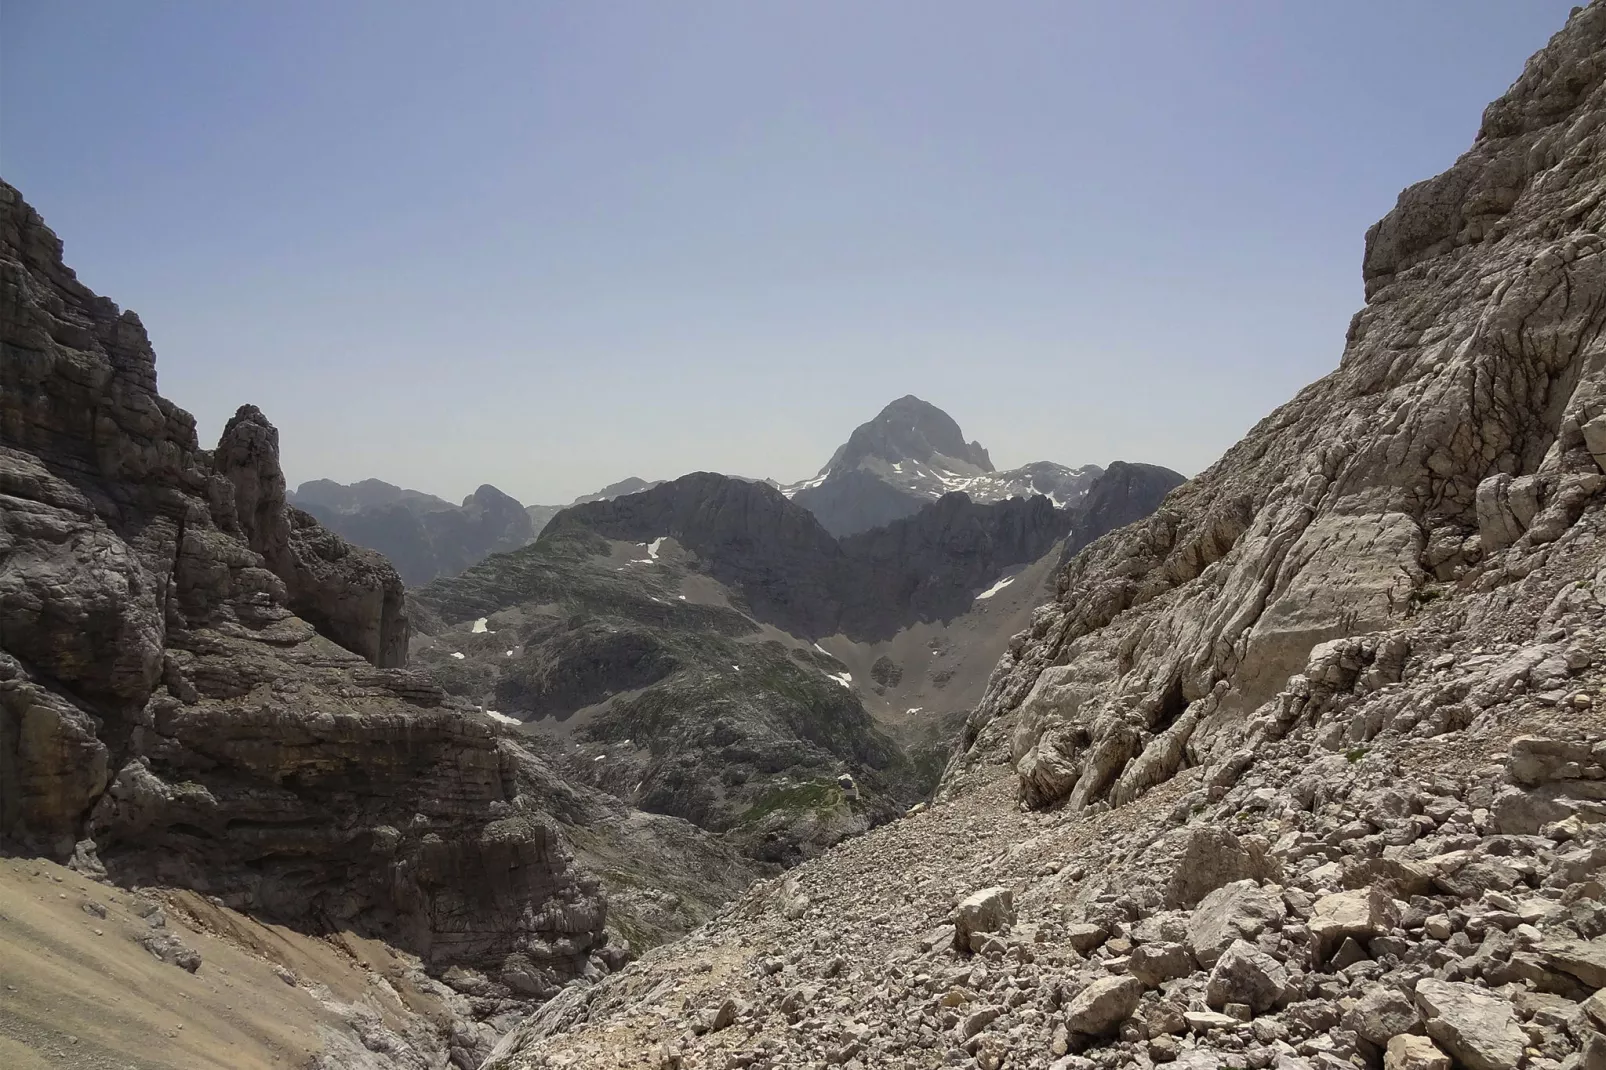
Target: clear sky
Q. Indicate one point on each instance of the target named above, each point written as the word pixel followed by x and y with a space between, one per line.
pixel 549 245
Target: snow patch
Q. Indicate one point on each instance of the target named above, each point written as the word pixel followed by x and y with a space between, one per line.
pixel 653 547
pixel 458 654
pixel 502 717
pixel 914 709
pixel 843 678
pixel 510 653
pixel 479 625
pixel 995 588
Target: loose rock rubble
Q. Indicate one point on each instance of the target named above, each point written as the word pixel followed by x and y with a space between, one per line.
pixel 1316 975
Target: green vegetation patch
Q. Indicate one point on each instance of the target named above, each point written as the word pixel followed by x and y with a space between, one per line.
pixel 793 799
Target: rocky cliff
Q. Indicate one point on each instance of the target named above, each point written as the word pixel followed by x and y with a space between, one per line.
pixel 1305 769
pixel 202 688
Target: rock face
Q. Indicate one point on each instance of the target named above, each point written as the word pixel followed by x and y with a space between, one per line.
pixel 913 453
pixel 1333 714
pixel 351 595
pixel 200 686
pixel 1446 451
pixel 421 534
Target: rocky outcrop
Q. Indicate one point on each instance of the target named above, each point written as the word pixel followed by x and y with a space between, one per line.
pixel 1446 452
pixel 201 687
pixel 349 594
pixel 1118 496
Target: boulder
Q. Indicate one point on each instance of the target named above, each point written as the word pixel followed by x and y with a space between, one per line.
pixel 1583 959
pixel 1381 1014
pixel 1245 974
pixel 1240 910
pixel 1155 964
pixel 987 911
pixel 1353 913
pixel 1103 1005
pixel 1478 1029
pixel 1085 937
pixel 1209 858
pixel 1408 1052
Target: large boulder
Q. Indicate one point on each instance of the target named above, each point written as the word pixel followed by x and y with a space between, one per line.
pixel 986 911
pixel 1245 974
pixel 1382 1013
pixel 1241 910
pixel 1479 1029
pixel 1103 1005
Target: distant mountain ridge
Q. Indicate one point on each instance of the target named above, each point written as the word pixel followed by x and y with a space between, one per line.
pixel 908 456
pixel 912 453
pixel 426 537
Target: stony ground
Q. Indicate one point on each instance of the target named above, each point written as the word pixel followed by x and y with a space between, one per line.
pixel 1416 861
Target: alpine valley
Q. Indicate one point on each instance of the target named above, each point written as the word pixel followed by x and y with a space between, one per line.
pixel 1298 764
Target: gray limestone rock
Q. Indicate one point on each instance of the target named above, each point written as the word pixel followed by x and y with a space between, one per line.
pixel 1239 910
pixel 1245 974
pixel 1154 964
pixel 1477 1028
pixel 1185 636
pixel 1103 1005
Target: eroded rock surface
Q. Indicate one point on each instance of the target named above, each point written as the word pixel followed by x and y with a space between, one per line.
pixel 1446 454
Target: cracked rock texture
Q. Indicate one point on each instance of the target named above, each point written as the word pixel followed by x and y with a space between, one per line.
pixel 200 687
pixel 1308 769
pixel 1444 455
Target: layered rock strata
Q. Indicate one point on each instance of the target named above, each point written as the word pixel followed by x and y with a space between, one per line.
pixel 202 687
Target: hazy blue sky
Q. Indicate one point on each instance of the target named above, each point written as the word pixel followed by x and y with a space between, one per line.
pixel 550 245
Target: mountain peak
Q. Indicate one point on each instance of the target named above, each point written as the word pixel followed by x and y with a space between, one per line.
pixel 910 429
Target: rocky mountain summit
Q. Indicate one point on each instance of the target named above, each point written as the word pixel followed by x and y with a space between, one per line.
pixel 1302 771
pixel 913 453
